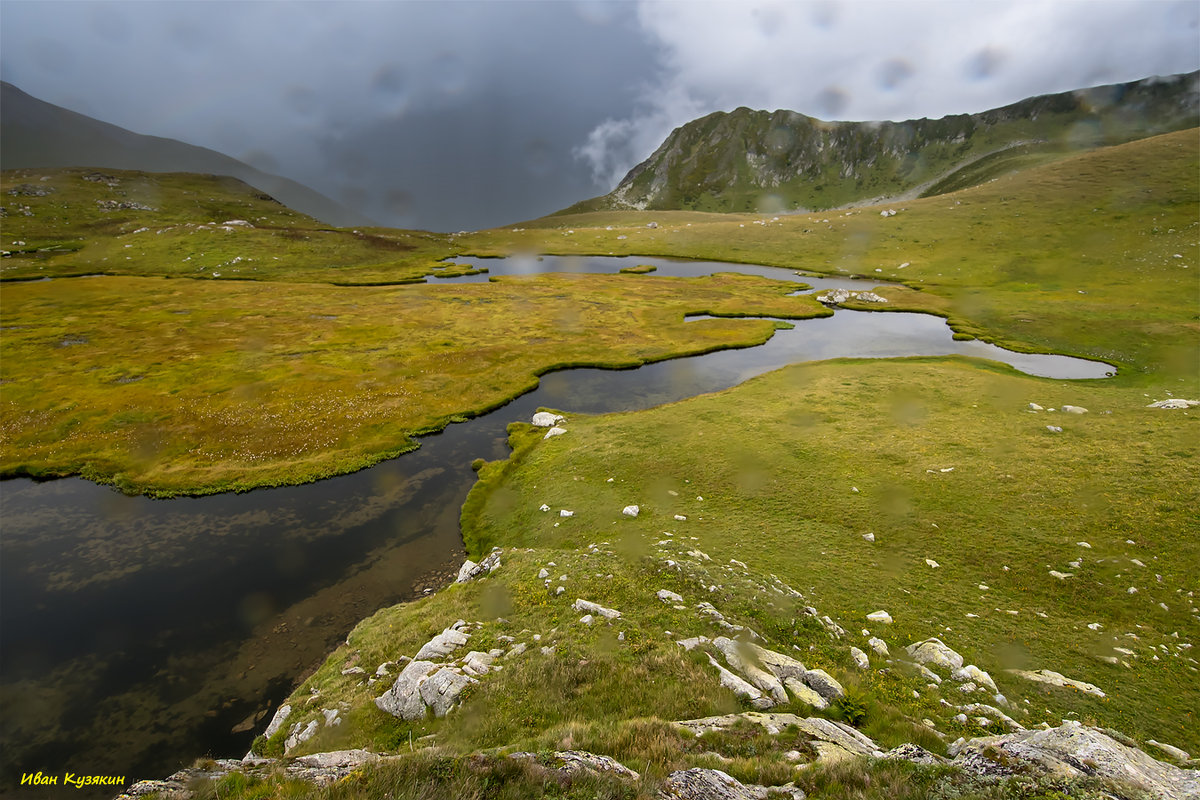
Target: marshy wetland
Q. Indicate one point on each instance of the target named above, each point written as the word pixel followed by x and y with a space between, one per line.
pixel 202 386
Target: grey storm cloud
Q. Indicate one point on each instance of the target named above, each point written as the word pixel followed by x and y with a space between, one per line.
pixel 467 114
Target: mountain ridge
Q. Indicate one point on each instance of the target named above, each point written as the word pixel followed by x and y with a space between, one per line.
pixel 776 161
pixel 40 134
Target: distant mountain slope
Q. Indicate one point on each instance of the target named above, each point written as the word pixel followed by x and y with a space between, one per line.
pixel 775 161
pixel 34 133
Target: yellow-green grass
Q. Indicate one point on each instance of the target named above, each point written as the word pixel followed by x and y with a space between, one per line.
pixel 178 386
pixel 794 467
pixel 178 231
pixel 1077 256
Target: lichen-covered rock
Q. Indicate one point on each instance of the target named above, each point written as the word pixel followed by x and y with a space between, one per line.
pixel 1074 750
pixel 914 753
pixel 589 607
pixel 440 690
pixel 972 673
pixel 443 644
pixel 860 658
pixel 936 652
pixel 574 762
pixel 707 784
pixel 404 698
pixel 740 686
pixel 781 666
pixel 823 684
pixel 470 570
pixel 1053 678
pixel 879 646
pixel 758 677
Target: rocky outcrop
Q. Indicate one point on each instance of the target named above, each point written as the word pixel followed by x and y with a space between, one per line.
pixel 470 570
pixel 425 685
pixel 713 784
pixel 1053 678
pixel 575 762
pixel 1073 750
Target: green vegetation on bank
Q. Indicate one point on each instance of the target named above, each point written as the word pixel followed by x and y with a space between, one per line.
pixel 193 387
pixel 1097 255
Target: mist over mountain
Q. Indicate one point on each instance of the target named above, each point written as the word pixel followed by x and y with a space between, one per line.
pixel 779 161
pixel 34 133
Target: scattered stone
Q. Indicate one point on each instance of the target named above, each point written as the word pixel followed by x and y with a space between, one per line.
pixel 823 684
pixel 693 643
pixel 564 513
pixel 630 511
pixel 543 507
pixel 594 608
pixel 879 646
pixel 277 721
pixel 1174 402
pixel 860 658
pixel 1035 407
pixel 470 570
pixel 543 573
pixel 1061 575
pixel 973 673
pixel 298 736
pixel 669 596
pixel 914 753
pixel 1054 428
pixel 545 419
pixel 680 518
pixel 781 666
pixel 1055 679
pixel 555 431
pixel 1074 409
pixel 880 616
pixel 870 537
pixel 932 563
pixel 803 693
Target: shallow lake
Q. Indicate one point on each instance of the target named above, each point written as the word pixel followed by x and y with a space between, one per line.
pixel 137 635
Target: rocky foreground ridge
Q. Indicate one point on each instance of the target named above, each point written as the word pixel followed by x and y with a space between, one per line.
pixel 432 680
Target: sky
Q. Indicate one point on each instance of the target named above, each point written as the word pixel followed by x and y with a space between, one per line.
pixel 460 114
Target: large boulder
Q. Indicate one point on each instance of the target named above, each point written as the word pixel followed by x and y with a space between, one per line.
pixel 1074 750
pixel 936 652
pixel 404 698
pixel 440 690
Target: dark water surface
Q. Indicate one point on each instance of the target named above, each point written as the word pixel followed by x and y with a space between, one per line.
pixel 137 634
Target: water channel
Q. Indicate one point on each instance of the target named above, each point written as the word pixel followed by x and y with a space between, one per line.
pixel 137 634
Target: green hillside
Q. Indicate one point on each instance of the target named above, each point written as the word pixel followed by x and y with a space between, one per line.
pixel 783 161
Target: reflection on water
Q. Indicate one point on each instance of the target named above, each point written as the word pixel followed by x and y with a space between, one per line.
pixel 139 634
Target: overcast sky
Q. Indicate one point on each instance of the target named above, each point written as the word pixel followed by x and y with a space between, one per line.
pixel 460 115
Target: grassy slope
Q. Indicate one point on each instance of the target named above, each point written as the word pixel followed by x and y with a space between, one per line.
pixel 777 461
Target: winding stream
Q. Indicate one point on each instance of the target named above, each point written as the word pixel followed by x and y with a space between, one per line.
pixel 136 634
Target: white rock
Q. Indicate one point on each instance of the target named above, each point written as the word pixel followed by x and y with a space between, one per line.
pixel 973 673
pixel 879 646
pixel 668 596
pixel 680 518
pixel 870 537
pixel 932 563
pixel 544 419
pixel 1074 409
pixel 555 431
pixel 564 513
pixel 1056 679
pixel 543 573
pixel 935 652
pixel 1054 428
pixel 880 616
pixel 860 658
pixel 630 511
pixel 1174 402
pixel 1035 407
pixel 594 608
pixel 1061 575
pixel 543 507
